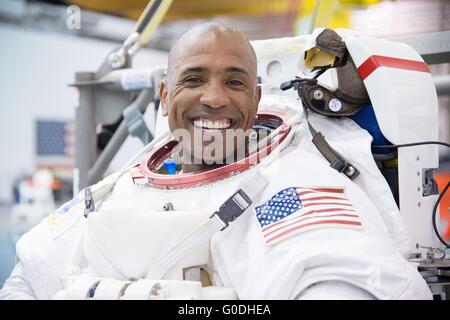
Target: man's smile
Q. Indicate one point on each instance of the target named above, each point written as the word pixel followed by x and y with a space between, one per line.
pixel 212 124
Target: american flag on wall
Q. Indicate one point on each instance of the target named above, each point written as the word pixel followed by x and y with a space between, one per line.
pixel 297 209
pixel 55 143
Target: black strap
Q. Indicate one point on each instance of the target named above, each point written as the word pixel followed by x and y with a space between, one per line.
pixel 336 161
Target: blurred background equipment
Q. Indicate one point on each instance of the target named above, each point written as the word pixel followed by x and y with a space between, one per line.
pixel 115 95
pixel 35 200
pixel 258 19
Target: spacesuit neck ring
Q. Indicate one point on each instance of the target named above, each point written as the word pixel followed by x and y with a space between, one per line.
pixel 148 168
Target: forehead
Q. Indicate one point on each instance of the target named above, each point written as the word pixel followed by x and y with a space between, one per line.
pixel 204 48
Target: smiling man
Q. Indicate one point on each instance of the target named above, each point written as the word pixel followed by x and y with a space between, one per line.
pixel 289 225
pixel 211 90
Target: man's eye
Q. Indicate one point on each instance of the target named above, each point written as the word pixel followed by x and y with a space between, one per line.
pixel 235 83
pixel 193 80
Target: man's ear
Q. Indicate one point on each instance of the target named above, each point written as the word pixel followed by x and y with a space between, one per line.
pixel 258 93
pixel 163 95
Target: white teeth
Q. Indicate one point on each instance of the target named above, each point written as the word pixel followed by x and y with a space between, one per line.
pixel 209 124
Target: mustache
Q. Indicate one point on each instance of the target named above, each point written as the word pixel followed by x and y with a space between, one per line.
pixel 225 112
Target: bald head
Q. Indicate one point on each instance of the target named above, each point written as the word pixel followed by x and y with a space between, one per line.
pixel 211 77
pixel 205 35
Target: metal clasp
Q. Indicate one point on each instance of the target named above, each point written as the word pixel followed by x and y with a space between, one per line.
pixel 88 202
pixel 233 207
pixel 433 254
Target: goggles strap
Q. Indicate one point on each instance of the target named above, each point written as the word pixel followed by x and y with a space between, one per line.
pixel 336 161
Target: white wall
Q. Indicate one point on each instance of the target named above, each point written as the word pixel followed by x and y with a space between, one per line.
pixel 35 68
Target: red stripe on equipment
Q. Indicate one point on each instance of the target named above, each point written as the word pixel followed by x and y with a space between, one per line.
pixel 374 62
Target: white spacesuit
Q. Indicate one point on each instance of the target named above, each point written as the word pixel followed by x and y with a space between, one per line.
pixel 284 225
pixel 338 235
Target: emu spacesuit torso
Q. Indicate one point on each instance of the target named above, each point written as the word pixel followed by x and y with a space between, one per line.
pixel 310 225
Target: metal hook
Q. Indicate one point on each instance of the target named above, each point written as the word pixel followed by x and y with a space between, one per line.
pixel 168 207
pixel 433 254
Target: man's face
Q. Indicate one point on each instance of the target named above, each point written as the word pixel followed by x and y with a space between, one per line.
pixel 211 87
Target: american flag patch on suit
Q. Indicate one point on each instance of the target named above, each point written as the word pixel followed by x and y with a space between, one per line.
pixel 297 210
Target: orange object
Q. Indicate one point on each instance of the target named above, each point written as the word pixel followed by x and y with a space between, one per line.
pixel 56 185
pixel 442 178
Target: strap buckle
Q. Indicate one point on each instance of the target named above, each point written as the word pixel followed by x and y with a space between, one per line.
pixel 344 167
pixel 233 207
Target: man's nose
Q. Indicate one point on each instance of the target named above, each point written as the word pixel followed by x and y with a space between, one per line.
pixel 215 96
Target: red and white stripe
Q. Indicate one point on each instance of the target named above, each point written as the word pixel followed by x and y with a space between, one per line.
pixel 374 62
pixel 322 208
